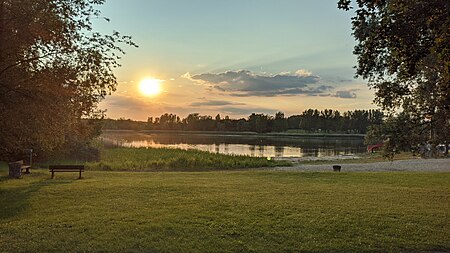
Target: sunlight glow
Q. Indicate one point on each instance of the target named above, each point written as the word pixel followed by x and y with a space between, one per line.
pixel 150 86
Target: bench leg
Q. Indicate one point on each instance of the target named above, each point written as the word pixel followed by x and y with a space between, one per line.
pixel 53 174
pixel 80 175
pixel 27 171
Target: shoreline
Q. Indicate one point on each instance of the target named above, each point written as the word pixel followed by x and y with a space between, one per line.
pixel 255 134
pixel 412 165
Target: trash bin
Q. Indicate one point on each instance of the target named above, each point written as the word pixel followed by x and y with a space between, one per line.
pixel 14 169
pixel 336 168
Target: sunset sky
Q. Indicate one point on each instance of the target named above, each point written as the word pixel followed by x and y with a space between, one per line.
pixel 233 58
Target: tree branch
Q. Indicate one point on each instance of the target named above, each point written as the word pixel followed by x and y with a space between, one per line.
pixel 26 60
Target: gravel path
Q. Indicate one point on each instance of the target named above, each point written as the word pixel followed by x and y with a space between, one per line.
pixel 442 165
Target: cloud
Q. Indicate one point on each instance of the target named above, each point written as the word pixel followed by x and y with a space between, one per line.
pixel 303 72
pixel 119 105
pixel 246 111
pixel 229 107
pixel 214 103
pixel 346 93
pixel 123 101
pixel 244 83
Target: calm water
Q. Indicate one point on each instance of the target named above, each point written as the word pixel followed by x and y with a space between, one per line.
pixel 252 145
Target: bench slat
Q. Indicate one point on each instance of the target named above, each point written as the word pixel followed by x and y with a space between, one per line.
pixel 63 167
pixel 66 170
pixel 26 168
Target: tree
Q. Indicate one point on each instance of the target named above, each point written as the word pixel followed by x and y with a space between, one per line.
pixel 280 123
pixel 54 70
pixel 191 122
pixel 259 122
pixel 403 51
pixel 169 121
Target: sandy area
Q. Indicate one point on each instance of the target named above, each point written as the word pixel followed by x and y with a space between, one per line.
pixel 435 165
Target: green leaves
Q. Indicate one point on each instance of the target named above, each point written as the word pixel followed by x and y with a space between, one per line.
pixel 54 70
pixel 403 51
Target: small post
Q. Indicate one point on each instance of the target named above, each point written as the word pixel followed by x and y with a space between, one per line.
pixel 31 156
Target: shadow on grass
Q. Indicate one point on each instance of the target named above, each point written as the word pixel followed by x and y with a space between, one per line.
pixel 15 200
pixel 4 178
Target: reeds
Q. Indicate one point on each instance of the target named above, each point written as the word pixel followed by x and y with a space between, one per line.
pixel 166 159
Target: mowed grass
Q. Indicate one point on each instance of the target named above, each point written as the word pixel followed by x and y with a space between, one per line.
pixel 164 159
pixel 227 211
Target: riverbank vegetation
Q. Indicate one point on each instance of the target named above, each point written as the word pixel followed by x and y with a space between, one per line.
pixel 310 121
pixel 251 211
pixel 166 159
pixel 116 158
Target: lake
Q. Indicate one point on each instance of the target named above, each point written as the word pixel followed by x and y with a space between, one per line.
pixel 241 144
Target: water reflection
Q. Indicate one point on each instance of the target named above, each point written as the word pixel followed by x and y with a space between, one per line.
pixel 252 145
pixel 279 151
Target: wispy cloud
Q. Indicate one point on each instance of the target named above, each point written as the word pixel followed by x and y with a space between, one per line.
pixel 214 103
pixel 346 93
pixel 246 111
pixel 244 83
pixel 124 101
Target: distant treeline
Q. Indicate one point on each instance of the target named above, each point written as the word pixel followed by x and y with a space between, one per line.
pixel 331 121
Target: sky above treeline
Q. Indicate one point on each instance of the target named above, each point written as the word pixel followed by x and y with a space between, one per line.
pixel 233 57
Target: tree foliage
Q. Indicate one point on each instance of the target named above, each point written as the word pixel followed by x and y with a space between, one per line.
pixel 403 51
pixel 311 121
pixel 54 69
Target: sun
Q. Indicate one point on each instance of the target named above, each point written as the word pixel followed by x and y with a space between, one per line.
pixel 150 86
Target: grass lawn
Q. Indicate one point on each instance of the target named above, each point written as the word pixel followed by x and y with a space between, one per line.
pixel 245 211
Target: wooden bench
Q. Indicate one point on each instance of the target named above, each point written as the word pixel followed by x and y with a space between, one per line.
pixel 25 167
pixel 66 168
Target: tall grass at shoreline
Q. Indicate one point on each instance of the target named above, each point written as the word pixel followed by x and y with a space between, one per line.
pixel 166 159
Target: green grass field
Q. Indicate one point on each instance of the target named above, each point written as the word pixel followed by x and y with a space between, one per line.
pixel 225 211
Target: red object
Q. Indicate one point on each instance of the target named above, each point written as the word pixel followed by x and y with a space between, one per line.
pixel 371 148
